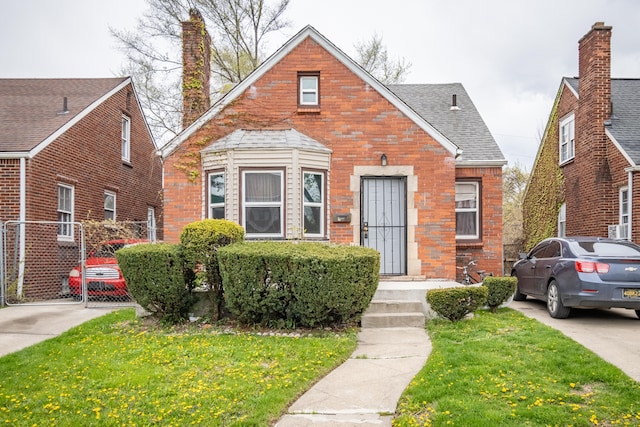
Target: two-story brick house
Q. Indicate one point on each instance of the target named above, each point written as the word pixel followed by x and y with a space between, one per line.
pixel 586 172
pixel 311 146
pixel 70 150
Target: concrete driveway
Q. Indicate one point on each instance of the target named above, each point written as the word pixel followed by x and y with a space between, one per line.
pixel 22 326
pixel 611 334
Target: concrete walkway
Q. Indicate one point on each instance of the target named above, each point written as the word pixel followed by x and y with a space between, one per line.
pixel 365 390
pixel 22 326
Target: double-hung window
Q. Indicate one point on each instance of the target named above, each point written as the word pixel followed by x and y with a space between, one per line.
pixel 624 213
pixel 216 195
pixel 263 203
pixel 562 221
pixel 126 139
pixel 467 210
pixel 309 85
pixel 313 204
pixel 65 212
pixel 567 139
pixel 110 205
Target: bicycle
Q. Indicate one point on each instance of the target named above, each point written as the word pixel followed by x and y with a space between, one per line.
pixel 468 278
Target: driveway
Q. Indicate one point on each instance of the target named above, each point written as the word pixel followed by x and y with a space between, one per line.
pixel 22 326
pixel 611 334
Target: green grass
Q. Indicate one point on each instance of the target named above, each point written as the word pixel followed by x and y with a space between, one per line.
pixel 113 372
pixel 505 369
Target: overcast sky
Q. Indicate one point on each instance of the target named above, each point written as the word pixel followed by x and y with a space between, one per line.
pixel 509 54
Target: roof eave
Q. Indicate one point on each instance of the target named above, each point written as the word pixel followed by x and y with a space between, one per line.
pixel 480 163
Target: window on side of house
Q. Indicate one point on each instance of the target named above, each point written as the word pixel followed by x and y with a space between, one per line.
pixel 562 221
pixel 110 205
pixel 624 212
pixel 151 223
pixel 567 139
pixel 313 204
pixel 467 210
pixel 263 203
pixel 216 195
pixel 126 139
pixel 309 89
pixel 65 212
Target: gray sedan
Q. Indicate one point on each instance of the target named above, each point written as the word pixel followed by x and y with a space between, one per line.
pixel 584 272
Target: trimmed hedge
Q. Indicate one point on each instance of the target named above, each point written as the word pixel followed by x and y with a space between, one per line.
pixel 304 283
pixel 500 289
pixel 200 241
pixel 455 303
pixel 155 276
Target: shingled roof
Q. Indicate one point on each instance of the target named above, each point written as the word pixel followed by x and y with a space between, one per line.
pixel 460 123
pixel 31 110
pixel 624 126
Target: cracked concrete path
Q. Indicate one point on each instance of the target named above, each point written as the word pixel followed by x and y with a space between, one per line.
pixel 364 391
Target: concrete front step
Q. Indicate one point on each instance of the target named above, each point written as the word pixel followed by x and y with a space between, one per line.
pixel 394 320
pixel 393 314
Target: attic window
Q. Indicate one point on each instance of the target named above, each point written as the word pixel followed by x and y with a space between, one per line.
pixel 309 89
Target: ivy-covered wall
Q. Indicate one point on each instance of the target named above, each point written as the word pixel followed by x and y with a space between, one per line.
pixel 545 191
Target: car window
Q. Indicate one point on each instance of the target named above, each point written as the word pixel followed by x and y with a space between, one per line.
pixel 538 251
pixel 552 250
pixel 605 249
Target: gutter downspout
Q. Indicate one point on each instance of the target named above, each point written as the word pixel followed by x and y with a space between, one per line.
pixel 630 186
pixel 22 219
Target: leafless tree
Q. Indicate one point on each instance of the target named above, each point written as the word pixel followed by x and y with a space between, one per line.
pixel 238 28
pixel 372 56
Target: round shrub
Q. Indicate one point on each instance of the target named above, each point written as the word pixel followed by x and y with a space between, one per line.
pixel 155 276
pixel 500 289
pixel 455 303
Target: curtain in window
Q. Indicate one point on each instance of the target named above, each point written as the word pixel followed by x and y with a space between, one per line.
pixel 263 202
pixel 466 209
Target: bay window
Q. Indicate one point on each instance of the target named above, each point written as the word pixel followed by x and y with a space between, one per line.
pixel 262 203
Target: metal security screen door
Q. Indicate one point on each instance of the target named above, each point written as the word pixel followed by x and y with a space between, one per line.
pixel 383 225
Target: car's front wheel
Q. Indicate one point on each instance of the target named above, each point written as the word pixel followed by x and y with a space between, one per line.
pixel 556 309
pixel 517 295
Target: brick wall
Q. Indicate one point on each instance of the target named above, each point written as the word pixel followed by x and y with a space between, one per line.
pixel 591 197
pixel 358 125
pixel 10 189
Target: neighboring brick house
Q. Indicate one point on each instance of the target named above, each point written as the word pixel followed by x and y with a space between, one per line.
pixel 586 172
pixel 311 146
pixel 74 150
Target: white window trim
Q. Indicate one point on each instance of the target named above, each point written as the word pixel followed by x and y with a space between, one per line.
pixel 151 223
pixel 622 215
pixel 314 204
pixel 279 204
pixel 126 138
pixel 215 205
pixel 571 143
pixel 476 210
pixel 562 221
pixel 70 236
pixel 112 194
pixel 315 91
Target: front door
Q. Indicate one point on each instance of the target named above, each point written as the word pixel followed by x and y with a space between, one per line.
pixel 383 225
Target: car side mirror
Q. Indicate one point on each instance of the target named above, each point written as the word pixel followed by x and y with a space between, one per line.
pixel 524 255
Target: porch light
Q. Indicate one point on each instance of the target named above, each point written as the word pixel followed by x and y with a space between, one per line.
pixel 383 159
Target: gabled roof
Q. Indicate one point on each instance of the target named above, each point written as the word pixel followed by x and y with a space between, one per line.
pixel 461 124
pixel 31 110
pixel 624 126
pixel 243 139
pixel 308 32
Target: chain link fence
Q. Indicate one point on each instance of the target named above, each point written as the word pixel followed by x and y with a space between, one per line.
pixel 46 262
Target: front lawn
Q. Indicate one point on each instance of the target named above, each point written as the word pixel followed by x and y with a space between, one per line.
pixel 112 371
pixel 505 369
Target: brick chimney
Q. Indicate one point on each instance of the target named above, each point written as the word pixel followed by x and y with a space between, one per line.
pixel 196 68
pixel 594 109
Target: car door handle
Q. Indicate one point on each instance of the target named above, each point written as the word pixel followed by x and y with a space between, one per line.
pixel 547 266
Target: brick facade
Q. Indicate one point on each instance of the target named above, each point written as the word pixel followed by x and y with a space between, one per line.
pixel 358 124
